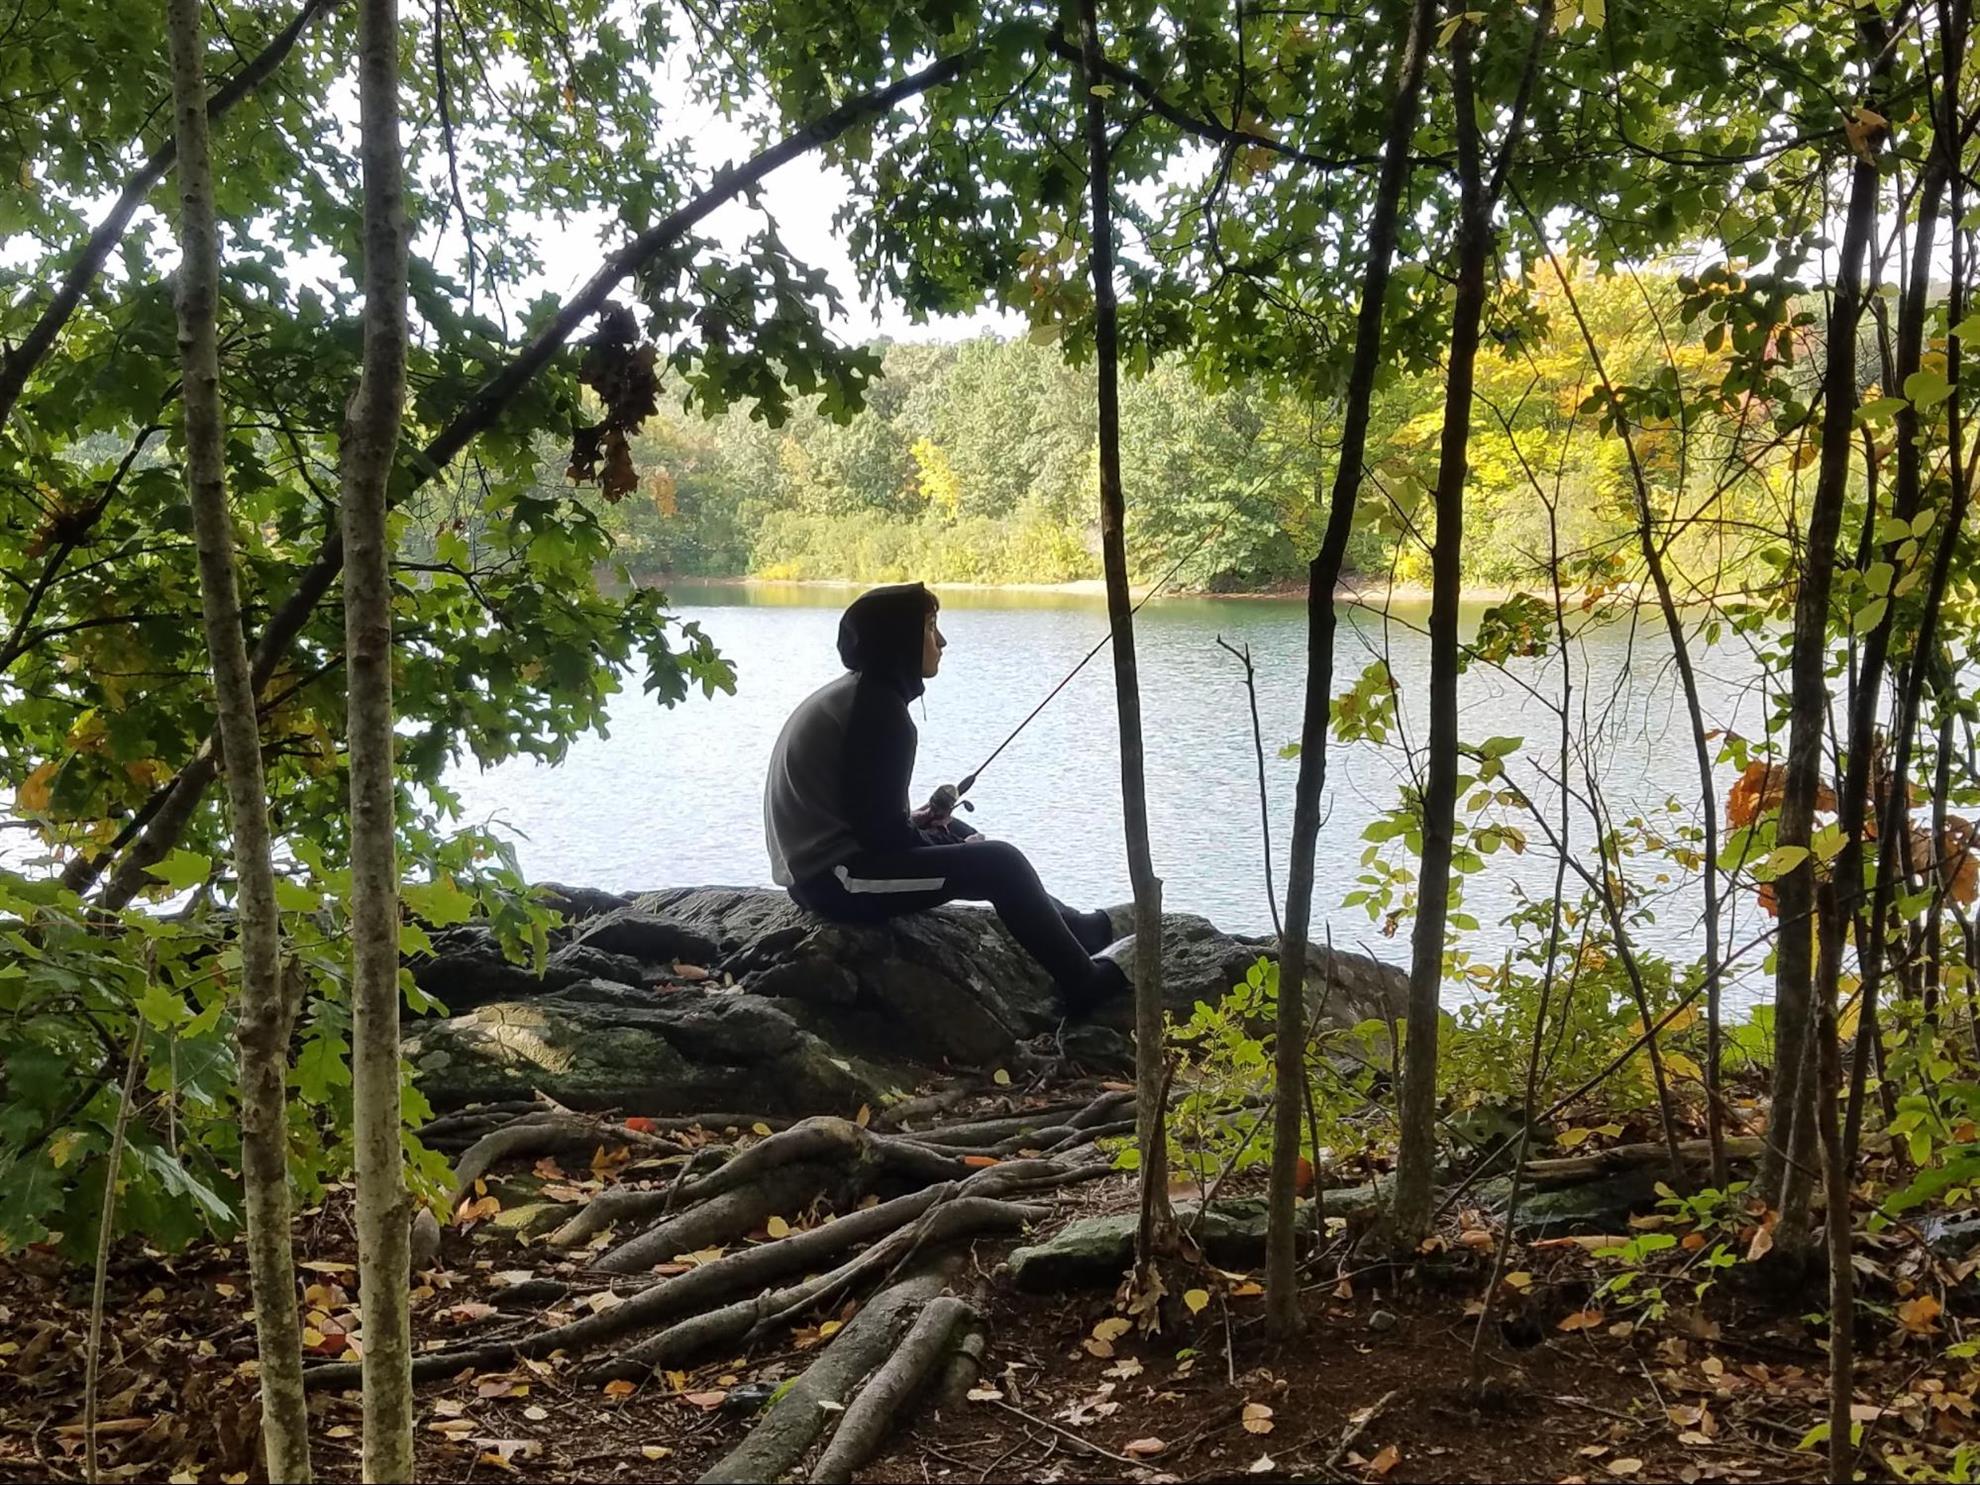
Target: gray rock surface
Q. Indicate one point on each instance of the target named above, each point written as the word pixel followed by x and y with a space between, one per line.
pixel 794 1014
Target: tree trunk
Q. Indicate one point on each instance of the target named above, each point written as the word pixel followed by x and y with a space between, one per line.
pixel 1783 1178
pixel 371 435
pixel 1158 1224
pixel 1416 1161
pixel 266 1012
pixel 1322 574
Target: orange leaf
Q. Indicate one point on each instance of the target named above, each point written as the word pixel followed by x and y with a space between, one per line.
pixel 1917 1315
pixel 1303 1176
pixel 639 1124
pixel 33 795
pixel 981 1161
pixel 1385 1461
pixel 1580 1320
pixel 706 1400
pixel 1761 787
pixel 620 1388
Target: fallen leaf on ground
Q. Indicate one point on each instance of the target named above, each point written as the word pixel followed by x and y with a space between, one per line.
pixel 619 1388
pixel 1143 1448
pixel 1264 1464
pixel 1257 1418
pixel 777 1227
pixel 706 1400
pixel 1580 1320
pixel 1625 1466
pixel 984 1394
pixel 1917 1315
pixel 1101 1342
pixel 1196 1299
pixel 1389 1457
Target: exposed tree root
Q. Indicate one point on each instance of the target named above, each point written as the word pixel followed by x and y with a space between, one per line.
pixel 897 1116
pixel 1571 1170
pixel 793 1423
pixel 812 1148
pixel 864 1424
pixel 631 1203
pixel 721 1218
pixel 749 1318
pixel 963 1367
pixel 548 1133
pixel 754 1269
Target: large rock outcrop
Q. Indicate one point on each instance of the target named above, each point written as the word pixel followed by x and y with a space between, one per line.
pixel 694 999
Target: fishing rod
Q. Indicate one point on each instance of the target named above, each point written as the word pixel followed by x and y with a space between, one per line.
pixel 945 799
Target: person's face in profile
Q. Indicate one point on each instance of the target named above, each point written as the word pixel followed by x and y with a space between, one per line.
pixel 932 645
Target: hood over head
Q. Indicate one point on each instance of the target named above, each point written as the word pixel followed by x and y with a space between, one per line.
pixel 881 633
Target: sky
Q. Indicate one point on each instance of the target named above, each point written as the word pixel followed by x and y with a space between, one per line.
pixel 803 196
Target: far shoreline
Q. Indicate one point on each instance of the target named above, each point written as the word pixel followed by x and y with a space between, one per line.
pixel 1357 593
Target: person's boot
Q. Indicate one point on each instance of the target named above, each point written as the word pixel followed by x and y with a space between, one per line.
pixel 1112 978
pixel 1094 930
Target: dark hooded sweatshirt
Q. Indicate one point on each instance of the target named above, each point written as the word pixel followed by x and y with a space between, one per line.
pixel 839 776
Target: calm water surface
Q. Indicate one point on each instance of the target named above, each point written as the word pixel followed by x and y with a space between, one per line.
pixel 673 797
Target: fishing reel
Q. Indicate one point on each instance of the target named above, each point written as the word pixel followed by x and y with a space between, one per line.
pixel 942 803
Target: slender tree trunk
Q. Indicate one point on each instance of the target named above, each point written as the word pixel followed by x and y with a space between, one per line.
pixel 371 435
pixel 266 1012
pixel 1416 1161
pixel 1322 574
pixel 1855 804
pixel 1836 1217
pixel 1783 1177
pixel 1158 1223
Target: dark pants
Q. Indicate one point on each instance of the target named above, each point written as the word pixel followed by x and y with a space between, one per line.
pixel 877 885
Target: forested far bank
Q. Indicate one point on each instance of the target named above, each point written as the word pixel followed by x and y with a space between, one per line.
pixel 975 462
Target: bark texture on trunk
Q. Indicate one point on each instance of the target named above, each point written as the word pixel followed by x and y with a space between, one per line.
pixel 1158 1229
pixel 371 436
pixel 265 1010
pixel 1322 574
pixel 1416 1160
pixel 1783 1179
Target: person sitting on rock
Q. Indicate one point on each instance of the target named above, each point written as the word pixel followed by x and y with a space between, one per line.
pixel 843 840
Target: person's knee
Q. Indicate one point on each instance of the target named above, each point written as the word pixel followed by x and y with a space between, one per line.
pixel 1002 870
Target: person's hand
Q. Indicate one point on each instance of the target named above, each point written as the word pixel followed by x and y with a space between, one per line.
pixel 940 809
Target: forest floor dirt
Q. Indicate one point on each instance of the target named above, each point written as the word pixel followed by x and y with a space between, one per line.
pixel 1375 1388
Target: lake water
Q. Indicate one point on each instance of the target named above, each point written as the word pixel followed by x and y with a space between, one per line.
pixel 673 797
